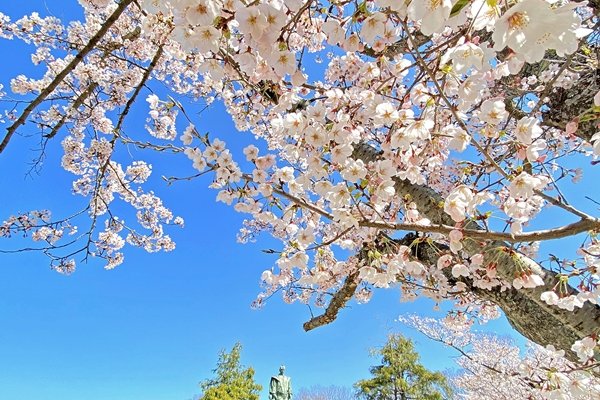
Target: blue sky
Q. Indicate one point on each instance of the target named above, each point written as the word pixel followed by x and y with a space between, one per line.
pixel 152 328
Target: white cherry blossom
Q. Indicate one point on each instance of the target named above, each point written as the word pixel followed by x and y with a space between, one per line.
pixel 432 13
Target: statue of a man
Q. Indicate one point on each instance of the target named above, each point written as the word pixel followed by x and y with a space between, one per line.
pixel 281 386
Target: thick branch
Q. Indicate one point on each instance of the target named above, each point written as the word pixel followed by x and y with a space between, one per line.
pixel 339 300
pixel 575 228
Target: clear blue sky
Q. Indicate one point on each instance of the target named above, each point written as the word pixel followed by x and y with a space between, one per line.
pixel 152 328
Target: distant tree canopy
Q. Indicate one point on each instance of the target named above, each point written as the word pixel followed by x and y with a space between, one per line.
pixel 232 380
pixel 326 393
pixel 400 376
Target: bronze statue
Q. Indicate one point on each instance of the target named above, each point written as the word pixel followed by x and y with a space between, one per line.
pixel 281 386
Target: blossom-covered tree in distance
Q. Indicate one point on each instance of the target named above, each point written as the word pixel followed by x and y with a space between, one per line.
pixel 458 120
pixel 491 367
pixel 326 393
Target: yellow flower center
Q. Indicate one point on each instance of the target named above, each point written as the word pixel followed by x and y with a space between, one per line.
pixel 283 59
pixel 467 53
pixel 433 4
pixel 491 13
pixel 518 20
pixel 201 9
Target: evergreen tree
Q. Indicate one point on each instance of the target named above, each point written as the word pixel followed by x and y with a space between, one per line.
pixel 401 377
pixel 232 380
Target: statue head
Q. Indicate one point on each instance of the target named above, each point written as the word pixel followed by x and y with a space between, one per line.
pixel 282 370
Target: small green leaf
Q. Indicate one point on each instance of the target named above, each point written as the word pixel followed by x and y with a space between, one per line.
pixel 460 4
pixel 586 50
pixel 362 8
pixel 446 69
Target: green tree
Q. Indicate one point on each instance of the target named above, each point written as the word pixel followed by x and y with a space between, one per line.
pixel 232 380
pixel 401 377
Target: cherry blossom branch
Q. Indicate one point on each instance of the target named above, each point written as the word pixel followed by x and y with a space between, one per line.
pixel 332 240
pixel 301 202
pixel 91 44
pixel 584 225
pixel 76 104
pixel 293 21
pixel 139 87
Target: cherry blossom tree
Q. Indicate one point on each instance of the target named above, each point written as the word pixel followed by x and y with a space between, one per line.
pixel 427 139
pixel 494 368
pixel 326 393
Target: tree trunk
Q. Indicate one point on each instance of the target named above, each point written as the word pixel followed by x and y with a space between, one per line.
pixel 526 312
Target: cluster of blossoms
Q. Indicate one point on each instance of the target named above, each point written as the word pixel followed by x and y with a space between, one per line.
pixel 436 117
pixel 162 119
pixel 35 222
